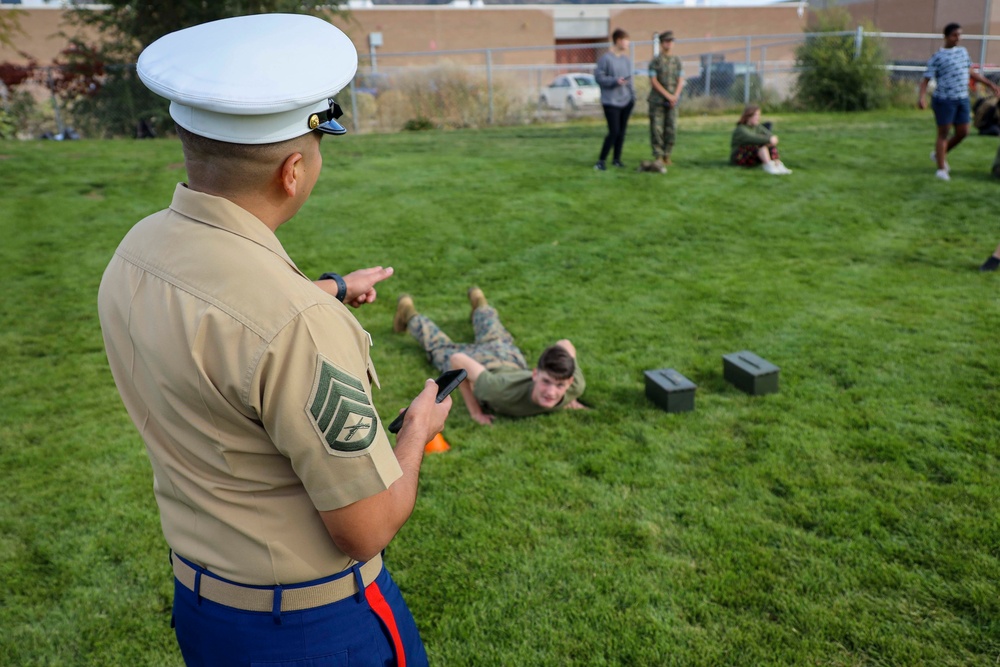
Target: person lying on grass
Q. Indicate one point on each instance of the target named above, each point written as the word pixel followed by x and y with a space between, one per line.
pixel 499 380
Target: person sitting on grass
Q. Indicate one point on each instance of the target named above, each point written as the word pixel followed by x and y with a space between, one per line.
pixel 753 144
pixel 499 380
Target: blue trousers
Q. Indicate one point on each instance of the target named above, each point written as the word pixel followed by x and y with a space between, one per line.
pixel 368 630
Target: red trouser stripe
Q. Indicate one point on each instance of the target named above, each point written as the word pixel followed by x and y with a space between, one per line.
pixel 384 612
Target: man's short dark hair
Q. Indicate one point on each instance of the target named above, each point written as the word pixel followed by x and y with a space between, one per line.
pixel 618 34
pixel 950 28
pixel 557 362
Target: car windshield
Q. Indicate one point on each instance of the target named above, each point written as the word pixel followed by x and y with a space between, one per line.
pixel 584 81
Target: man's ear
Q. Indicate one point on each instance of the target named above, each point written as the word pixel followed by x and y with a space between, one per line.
pixel 534 374
pixel 291 173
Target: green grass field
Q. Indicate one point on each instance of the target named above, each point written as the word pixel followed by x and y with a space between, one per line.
pixel 850 519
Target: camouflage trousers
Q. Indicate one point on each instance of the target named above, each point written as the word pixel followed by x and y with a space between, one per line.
pixel 662 129
pixel 494 346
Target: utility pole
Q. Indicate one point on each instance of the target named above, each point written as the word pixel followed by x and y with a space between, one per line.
pixel 987 12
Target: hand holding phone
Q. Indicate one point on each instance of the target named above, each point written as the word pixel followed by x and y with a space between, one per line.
pixel 446 382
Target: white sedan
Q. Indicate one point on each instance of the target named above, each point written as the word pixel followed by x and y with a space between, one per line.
pixel 573 90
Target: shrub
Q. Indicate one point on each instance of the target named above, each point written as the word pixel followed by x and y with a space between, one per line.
pixel 832 77
pixel 23 116
pixel 417 124
pixel 8 126
pixel 107 100
pixel 450 96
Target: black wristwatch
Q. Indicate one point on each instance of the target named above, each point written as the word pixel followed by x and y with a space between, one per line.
pixel 341 285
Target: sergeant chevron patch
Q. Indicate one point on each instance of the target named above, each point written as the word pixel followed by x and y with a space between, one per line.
pixel 340 409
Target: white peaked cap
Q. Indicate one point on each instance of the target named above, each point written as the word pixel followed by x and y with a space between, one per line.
pixel 252 79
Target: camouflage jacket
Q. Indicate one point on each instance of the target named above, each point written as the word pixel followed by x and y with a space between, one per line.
pixel 667 70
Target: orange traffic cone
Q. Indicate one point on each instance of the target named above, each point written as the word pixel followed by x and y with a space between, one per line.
pixel 437 444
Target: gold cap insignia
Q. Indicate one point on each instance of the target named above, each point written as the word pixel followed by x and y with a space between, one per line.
pixel 313 121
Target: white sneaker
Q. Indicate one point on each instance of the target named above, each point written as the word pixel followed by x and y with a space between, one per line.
pixel 782 168
pixel 771 168
pixel 947 167
pixel 942 174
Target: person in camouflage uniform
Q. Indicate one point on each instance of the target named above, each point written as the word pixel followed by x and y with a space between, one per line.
pixel 666 76
pixel 494 346
pixel 986 115
pixel 499 381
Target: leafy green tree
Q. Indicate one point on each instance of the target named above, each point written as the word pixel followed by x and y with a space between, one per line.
pixel 104 95
pixel 833 76
pixel 11 74
pixel 9 26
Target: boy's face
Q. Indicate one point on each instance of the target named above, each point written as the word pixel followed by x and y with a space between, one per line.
pixel 953 38
pixel 547 391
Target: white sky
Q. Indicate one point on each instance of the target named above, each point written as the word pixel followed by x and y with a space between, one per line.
pixel 719 3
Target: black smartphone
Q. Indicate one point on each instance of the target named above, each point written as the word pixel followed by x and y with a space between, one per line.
pixel 446 382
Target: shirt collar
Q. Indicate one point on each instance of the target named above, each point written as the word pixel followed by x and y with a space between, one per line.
pixel 223 214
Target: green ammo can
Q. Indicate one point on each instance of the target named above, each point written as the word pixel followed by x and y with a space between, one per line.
pixel 670 390
pixel 750 373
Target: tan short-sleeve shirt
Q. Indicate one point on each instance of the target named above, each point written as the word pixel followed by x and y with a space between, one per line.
pixel 250 386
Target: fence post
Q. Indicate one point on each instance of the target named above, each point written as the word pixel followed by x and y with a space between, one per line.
pixel 631 68
pixel 708 73
pixel 55 101
pixel 859 38
pixel 986 32
pixel 489 83
pixel 746 75
pixel 763 67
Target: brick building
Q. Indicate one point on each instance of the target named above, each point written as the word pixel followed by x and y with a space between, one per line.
pixel 410 29
pixel 977 17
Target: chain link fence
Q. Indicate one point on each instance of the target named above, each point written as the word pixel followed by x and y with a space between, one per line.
pixel 555 83
pixel 472 88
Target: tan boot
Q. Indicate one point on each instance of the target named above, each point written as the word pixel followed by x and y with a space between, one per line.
pixel 405 310
pixel 659 166
pixel 476 298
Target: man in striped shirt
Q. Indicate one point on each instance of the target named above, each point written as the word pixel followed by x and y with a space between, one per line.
pixel 951 68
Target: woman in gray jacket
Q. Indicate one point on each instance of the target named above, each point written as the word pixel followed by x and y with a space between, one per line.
pixel 614 76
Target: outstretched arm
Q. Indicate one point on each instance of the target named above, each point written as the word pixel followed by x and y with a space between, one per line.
pixel 564 343
pixel 976 76
pixel 360 285
pixel 574 404
pixel 474 369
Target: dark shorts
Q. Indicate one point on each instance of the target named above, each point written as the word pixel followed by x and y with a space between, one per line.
pixel 950 112
pixel 747 155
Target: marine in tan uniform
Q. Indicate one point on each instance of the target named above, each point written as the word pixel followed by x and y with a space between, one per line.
pixel 250 384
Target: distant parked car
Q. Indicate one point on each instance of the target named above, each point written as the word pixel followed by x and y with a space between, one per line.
pixel 721 79
pixel 574 90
